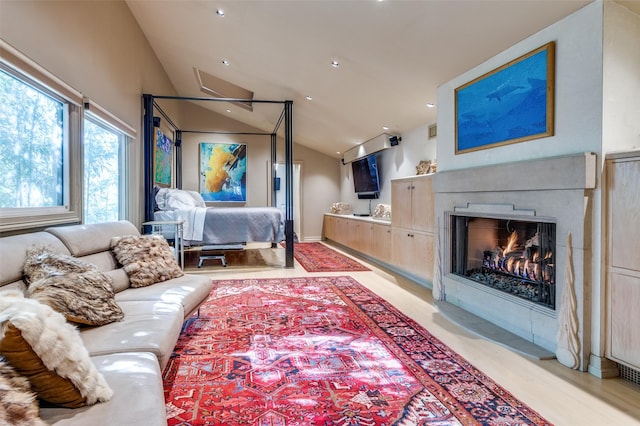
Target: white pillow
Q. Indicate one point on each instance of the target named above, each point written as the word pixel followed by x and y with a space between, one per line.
pixel 177 199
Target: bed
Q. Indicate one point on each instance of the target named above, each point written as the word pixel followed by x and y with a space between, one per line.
pixel 207 226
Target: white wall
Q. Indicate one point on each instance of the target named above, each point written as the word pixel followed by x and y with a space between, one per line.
pixel 395 162
pixel 578 95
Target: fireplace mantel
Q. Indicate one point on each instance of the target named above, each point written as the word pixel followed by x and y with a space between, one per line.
pixel 566 172
pixel 557 190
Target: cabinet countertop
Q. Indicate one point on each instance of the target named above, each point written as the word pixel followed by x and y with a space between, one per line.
pixel 362 218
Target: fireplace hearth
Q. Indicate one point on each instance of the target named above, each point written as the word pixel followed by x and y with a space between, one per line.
pixel 513 256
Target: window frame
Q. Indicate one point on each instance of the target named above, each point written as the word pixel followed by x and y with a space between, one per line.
pixel 12 219
pixel 16 220
pixel 96 115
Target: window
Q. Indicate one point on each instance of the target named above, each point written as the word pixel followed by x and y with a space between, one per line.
pixel 46 180
pixel 32 143
pixel 39 140
pixel 103 193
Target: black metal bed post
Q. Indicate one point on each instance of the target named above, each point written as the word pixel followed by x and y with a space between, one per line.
pixel 288 141
pixel 178 145
pixel 147 140
pixel 274 147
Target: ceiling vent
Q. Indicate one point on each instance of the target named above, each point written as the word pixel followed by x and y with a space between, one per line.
pixel 220 88
pixel 379 143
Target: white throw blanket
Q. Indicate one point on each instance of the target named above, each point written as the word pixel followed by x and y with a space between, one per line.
pixel 193 227
pixel 186 205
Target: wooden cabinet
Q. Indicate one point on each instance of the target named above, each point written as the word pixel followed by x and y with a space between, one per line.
pixel 622 260
pixel 412 252
pixel 412 203
pixel 329 227
pixel 381 247
pixel 412 226
pixel 372 238
pixel 407 243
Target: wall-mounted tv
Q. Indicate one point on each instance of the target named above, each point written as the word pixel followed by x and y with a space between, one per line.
pixel 365 177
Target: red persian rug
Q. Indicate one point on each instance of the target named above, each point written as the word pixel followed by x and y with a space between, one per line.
pixel 322 351
pixel 317 257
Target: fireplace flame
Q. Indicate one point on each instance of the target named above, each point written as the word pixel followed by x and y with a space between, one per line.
pixel 511 243
pixel 525 262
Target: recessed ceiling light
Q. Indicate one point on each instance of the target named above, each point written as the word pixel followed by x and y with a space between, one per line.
pixel 225 62
pixel 220 12
pixel 385 128
pixel 431 105
pixel 335 64
pixel 309 97
pixel 228 110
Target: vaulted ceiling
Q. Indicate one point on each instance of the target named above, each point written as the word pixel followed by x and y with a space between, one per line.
pixel 392 55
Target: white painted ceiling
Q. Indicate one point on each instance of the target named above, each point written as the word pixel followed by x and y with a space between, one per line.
pixel 393 55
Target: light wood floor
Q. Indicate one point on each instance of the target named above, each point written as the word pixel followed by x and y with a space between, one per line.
pixel 561 395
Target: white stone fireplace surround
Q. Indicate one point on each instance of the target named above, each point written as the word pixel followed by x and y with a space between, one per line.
pixel 558 190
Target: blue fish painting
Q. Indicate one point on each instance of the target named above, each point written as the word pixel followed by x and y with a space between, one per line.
pixel 511 104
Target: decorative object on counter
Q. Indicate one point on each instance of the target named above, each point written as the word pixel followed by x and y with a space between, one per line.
pixel 341 208
pixel 382 211
pixel 425 167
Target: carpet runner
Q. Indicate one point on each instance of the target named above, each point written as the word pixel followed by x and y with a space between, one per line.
pixel 317 257
pixel 322 351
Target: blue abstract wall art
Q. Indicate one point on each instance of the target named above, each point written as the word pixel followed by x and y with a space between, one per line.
pixel 223 171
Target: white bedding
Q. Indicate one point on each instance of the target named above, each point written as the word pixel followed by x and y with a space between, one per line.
pixel 218 225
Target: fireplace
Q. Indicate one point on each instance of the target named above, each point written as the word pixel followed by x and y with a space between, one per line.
pixel 514 256
pixel 514 247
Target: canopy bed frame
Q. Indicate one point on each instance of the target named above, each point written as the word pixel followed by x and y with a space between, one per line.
pixel 285 119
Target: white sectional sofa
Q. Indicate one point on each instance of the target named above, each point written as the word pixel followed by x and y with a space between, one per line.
pixel 132 353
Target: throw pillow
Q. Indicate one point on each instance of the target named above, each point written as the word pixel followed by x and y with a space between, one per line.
pixel 18 405
pixel 41 262
pixel 76 289
pixel 147 259
pixel 40 345
pixel 83 298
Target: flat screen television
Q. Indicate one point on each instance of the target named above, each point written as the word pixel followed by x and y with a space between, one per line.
pixel 365 177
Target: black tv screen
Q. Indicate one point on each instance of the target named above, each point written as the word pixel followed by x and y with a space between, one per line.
pixel 365 175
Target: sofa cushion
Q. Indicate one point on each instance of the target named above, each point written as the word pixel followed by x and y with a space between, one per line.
pixel 83 240
pixel 147 259
pixel 76 289
pixel 18 405
pixel 188 290
pixel 138 397
pixel 42 346
pixel 147 326
pixel 119 280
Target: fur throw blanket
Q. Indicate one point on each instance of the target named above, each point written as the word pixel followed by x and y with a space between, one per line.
pixel 18 406
pixel 35 337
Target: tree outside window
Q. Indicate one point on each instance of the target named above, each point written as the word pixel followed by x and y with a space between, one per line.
pixel 32 142
pixel 101 172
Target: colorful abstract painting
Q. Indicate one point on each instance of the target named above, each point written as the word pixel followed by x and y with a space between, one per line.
pixel 162 159
pixel 223 171
pixel 513 103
